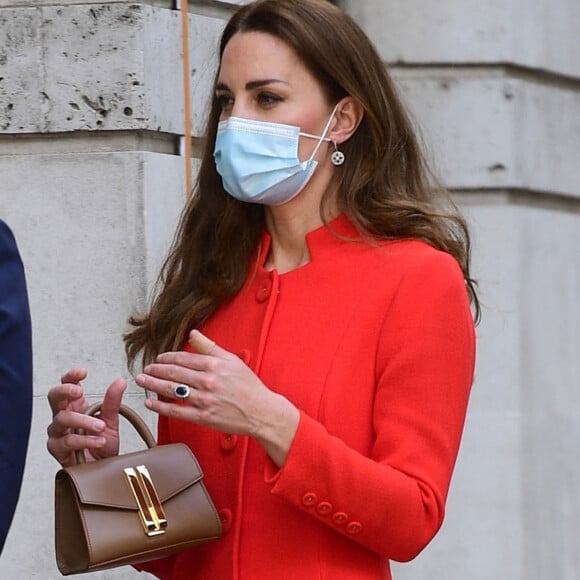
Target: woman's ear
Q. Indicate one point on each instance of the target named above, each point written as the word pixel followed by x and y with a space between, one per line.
pixel 348 116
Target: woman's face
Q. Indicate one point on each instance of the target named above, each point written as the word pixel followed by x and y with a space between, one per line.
pixel 262 78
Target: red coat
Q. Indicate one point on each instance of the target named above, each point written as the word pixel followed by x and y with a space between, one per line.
pixel 375 345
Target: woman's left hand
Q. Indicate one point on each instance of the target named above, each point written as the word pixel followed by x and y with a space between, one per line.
pixel 224 394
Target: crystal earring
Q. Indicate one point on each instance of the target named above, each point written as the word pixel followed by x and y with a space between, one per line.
pixel 337 158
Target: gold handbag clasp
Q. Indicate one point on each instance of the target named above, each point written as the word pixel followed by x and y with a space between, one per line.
pixel 149 506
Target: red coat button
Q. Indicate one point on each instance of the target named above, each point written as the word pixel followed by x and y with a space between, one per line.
pixel 339 518
pixel 244 355
pixel 309 499
pixel 264 290
pixel 226 518
pixel 324 507
pixel 228 443
pixel 354 528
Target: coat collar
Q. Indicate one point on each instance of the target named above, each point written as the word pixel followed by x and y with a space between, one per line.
pixel 326 238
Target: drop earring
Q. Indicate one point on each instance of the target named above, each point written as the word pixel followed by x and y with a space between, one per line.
pixel 337 158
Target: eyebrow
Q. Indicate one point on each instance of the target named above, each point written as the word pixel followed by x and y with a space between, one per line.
pixel 252 84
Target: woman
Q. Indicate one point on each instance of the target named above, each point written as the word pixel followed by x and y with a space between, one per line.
pixel 326 393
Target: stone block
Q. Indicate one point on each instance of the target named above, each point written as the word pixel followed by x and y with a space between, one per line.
pixel 496 131
pixel 531 34
pixel 164 198
pixel 101 67
pixel 22 96
pixel 163 69
pixel 495 264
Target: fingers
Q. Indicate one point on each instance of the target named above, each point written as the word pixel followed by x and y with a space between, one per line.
pixel 74 375
pixel 66 421
pixel 61 396
pixel 207 352
pixel 204 345
pixel 69 391
pixel 162 379
pixel 71 429
pixel 62 441
pixel 112 401
pixel 201 343
pixel 197 370
pixel 192 412
pixel 63 448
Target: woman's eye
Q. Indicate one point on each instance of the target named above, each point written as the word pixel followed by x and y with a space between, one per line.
pixel 224 102
pixel 268 99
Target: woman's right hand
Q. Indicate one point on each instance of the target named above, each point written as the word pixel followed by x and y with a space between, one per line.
pixel 68 404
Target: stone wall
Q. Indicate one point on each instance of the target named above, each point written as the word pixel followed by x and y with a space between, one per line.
pixel 91 181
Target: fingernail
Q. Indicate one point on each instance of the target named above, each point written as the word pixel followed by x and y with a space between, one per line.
pixel 75 391
pixel 98 425
pixel 140 378
pixel 101 440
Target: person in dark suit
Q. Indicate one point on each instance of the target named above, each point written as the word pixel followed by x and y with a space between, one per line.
pixel 15 377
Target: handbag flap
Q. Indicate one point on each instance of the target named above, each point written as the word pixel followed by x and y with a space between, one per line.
pixel 172 468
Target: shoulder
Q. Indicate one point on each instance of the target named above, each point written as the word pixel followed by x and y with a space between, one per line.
pixel 4 229
pixel 411 276
pixel 401 275
pixel 412 260
pixel 12 276
pixel 8 249
pixel 429 299
pixel 5 233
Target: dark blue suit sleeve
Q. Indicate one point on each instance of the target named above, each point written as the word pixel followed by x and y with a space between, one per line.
pixel 15 377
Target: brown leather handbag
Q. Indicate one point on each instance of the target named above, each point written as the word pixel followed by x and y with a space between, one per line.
pixel 131 508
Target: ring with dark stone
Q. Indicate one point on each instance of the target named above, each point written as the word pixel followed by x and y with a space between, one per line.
pixel 181 391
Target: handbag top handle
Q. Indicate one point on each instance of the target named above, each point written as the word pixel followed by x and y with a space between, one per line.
pixel 131 416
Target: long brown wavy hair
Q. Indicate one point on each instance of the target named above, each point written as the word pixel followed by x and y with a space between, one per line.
pixel 385 186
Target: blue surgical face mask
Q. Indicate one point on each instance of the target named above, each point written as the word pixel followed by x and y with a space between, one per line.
pixel 258 161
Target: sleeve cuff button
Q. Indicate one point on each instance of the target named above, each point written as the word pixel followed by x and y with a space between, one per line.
pixel 354 528
pixel 324 507
pixel 309 499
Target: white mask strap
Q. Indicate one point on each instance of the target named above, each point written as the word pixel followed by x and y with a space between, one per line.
pixel 323 137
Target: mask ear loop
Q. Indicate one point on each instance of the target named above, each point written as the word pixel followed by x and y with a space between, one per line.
pixel 323 137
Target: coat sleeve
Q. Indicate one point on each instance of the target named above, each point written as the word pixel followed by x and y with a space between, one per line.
pixel 392 502
pixel 15 376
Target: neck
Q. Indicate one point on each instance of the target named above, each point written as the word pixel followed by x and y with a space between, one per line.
pixel 288 225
